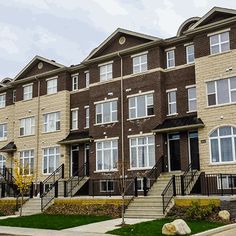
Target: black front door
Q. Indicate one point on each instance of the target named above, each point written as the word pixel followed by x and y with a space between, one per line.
pixel 194 150
pixel 86 159
pixel 74 160
pixel 174 152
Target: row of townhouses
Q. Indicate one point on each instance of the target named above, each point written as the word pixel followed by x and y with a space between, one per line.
pixel 136 99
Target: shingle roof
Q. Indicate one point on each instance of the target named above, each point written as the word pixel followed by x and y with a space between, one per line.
pixel 10 147
pixel 76 137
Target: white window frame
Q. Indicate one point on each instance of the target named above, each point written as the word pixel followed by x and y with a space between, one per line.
pixel 87 79
pixel 51 88
pixel 55 155
pixel 2 100
pixel 74 118
pixel 4 127
pixel 87 116
pixel 140 64
pixel 219 42
pixel 191 99
pixel 30 158
pixel 108 74
pixel 14 96
pixel 137 146
pixel 103 149
pixel 168 59
pixel 190 54
pixel 107 190
pixel 57 122
pixel 27 92
pixel 75 82
pixel 24 129
pixel 2 162
pixel 135 107
pixel 102 111
pixel 171 102
pixel 227 179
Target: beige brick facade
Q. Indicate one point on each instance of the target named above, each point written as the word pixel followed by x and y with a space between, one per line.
pixel 212 68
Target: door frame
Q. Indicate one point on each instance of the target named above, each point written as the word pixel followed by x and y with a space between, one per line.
pixel 189 148
pixel 71 158
pixel 168 149
pixel 85 156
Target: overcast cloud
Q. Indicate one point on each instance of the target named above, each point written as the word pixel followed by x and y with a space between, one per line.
pixel 67 30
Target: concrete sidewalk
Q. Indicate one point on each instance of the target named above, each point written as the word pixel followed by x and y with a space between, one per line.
pixel 104 226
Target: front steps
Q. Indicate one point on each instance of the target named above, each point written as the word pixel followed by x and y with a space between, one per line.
pixel 31 207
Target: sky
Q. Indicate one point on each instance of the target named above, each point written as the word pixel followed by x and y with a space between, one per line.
pixel 67 30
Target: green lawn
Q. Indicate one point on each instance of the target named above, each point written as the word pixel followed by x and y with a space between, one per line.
pixel 153 228
pixel 43 221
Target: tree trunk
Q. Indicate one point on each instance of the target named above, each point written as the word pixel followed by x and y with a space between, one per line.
pixel 21 203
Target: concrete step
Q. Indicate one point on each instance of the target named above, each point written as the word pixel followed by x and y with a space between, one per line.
pixel 144 215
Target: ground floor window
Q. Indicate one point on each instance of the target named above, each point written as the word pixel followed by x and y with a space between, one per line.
pixel 50 159
pixel 142 152
pixel 226 181
pixel 2 162
pixel 106 186
pixel 106 155
pixel 27 162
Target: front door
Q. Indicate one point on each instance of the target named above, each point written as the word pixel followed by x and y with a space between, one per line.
pixel 194 150
pixel 174 152
pixel 74 160
pixel 86 159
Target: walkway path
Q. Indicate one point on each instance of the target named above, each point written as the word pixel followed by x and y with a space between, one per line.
pixel 230 232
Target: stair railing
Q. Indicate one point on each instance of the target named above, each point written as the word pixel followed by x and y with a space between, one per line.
pixel 75 180
pixel 49 187
pixel 152 175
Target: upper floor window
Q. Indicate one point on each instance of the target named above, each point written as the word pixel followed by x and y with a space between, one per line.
pixel 221 91
pixel 106 72
pixel 2 100
pixel 86 117
pixel 51 122
pixel 27 162
pixel 106 112
pixel 223 144
pixel 87 82
pixel 139 63
pixel 14 96
pixel 74 119
pixel 190 54
pixel 141 106
pixel 219 43
pixel 51 86
pixel 27 92
pixel 3 132
pixel 192 99
pixel 170 58
pixel 172 105
pixel 27 126
pixel 75 82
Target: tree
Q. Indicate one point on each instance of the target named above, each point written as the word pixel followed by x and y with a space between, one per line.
pixel 23 180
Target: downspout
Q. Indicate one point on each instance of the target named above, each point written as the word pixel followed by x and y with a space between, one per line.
pixel 122 138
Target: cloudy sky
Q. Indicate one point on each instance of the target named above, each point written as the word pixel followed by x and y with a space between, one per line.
pixel 67 30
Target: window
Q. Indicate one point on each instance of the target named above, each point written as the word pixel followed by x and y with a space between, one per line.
pixel 86 117
pixel 106 72
pixel 27 126
pixel 142 152
pixel 170 57
pixel 27 162
pixel 141 106
pixel 227 181
pixel 106 186
pixel 2 100
pixel 3 132
pixel 14 96
pixel 172 108
pixel 2 162
pixel 139 63
pixel 192 99
pixel 74 119
pixel 51 86
pixel 190 54
pixel 106 155
pixel 50 159
pixel 223 144
pixel 27 92
pixel 219 43
pixel 106 112
pixel 52 122
pixel 75 82
pixel 221 91
pixel 87 82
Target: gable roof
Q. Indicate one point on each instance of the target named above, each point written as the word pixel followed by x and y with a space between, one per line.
pixel 124 31
pixel 210 13
pixel 39 58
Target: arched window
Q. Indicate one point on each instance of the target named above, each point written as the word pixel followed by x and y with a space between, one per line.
pixel 223 144
pixel 2 162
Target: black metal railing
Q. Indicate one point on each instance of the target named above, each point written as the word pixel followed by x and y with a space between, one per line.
pixel 49 187
pixel 152 175
pixel 75 180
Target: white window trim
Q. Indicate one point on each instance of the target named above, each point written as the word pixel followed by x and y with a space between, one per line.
pixel 139 54
pixel 140 94
pixel 218 32
pixel 186 49
pixel 5 133
pixel 167 59
pixel 76 110
pixel 191 99
pixel 87 117
pixel 49 79
pixel 75 81
pixel 139 65
pixel 170 103
pixel 219 44
pixel 28 93
pixel 55 121
pixel 55 167
pixel 3 94
pixel 105 63
pixel 30 159
pixel 106 100
pixel 32 127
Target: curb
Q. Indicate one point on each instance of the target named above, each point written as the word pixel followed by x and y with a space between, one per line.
pixel 216 230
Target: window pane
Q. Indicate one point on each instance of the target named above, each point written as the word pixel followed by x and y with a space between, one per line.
pixel 226 149
pixel 133 157
pixel 224 47
pixel 226 130
pixel 233 83
pixel 192 93
pixel 141 106
pixel 214 39
pixel 211 99
pixel 215 49
pixel 211 87
pixel 223 91
pixel 214 150
pixel 224 37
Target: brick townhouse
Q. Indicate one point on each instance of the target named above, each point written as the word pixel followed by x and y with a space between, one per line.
pixel 135 100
